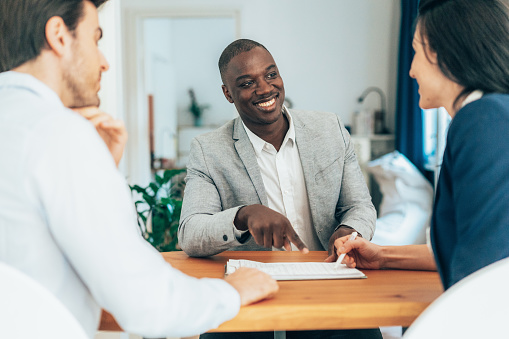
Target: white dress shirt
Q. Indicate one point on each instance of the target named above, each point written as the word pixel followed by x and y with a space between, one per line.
pixel 473 96
pixel 67 220
pixel 284 183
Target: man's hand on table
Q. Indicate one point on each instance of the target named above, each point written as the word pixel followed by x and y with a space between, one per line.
pixel 112 131
pixel 268 228
pixel 253 285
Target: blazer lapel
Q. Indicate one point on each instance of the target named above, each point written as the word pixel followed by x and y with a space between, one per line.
pixel 247 155
pixel 305 143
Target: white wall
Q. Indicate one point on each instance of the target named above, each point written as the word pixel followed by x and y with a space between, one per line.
pixel 181 53
pixel 111 93
pixel 328 51
pixel 160 80
pixel 198 43
pixel 109 20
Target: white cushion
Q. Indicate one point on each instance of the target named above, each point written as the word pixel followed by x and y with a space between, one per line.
pixel 407 201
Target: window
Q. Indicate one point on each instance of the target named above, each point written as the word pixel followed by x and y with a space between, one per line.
pixel 435 123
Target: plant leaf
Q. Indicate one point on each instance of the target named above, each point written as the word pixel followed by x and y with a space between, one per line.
pixel 151 201
pixel 154 187
pixel 159 179
pixel 138 189
pixel 164 210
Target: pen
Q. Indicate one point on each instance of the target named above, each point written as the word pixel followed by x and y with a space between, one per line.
pixel 342 256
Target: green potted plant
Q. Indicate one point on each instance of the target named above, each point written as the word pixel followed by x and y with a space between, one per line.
pixel 196 109
pixel 159 209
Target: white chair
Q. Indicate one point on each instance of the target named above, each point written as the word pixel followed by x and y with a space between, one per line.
pixel 29 310
pixel 475 307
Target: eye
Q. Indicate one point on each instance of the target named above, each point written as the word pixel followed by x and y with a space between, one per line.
pixel 246 84
pixel 98 36
pixel 272 75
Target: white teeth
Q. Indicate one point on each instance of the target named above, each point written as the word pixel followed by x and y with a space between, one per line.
pixel 268 103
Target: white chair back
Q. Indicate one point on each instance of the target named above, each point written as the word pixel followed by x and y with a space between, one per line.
pixel 28 310
pixel 475 307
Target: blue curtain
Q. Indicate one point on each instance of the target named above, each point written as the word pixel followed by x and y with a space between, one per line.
pixel 409 123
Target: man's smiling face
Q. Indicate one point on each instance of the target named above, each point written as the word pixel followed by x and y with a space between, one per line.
pixel 252 82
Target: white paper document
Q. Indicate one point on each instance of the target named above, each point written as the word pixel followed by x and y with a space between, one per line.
pixel 298 270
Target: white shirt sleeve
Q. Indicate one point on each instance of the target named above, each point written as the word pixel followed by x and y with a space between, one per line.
pixel 90 212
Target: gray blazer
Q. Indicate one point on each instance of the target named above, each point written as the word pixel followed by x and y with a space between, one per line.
pixel 223 175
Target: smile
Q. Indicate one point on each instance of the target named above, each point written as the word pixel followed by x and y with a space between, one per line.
pixel 267 103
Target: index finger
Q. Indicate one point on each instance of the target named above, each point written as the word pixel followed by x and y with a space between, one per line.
pixel 344 245
pixel 295 239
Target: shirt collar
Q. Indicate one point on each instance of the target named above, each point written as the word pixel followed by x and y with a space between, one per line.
pixel 28 82
pixel 475 95
pixel 258 143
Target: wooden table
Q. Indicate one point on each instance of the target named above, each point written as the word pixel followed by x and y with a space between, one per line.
pixel 385 298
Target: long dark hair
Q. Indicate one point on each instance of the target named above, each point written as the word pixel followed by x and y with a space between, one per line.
pixel 23 24
pixel 471 40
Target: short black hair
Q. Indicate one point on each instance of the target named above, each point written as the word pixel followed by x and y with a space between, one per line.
pixel 23 24
pixel 471 40
pixel 234 49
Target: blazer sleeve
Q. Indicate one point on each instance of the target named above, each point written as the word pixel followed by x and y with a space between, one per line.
pixel 354 207
pixel 204 229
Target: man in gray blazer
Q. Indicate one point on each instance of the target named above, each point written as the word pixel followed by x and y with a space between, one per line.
pixel 272 177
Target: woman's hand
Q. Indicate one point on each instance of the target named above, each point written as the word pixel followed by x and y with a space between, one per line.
pixel 359 253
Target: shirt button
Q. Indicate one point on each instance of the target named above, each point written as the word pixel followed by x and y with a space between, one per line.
pixel 225 237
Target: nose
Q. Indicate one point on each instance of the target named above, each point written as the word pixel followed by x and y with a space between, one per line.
pixel 411 73
pixel 263 87
pixel 104 63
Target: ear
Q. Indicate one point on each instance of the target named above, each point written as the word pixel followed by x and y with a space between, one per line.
pixel 58 35
pixel 227 94
pixel 432 55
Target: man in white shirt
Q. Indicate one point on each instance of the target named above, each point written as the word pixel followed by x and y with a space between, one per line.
pixel 67 219
pixel 272 178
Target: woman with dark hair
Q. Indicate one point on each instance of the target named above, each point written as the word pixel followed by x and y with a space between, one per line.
pixel 461 63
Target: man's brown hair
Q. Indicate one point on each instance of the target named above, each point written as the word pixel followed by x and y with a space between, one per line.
pixel 23 25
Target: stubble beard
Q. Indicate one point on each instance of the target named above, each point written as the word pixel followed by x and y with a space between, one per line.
pixel 78 92
pixel 80 89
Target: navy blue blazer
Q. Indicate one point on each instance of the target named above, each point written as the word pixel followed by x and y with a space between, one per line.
pixel 470 223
